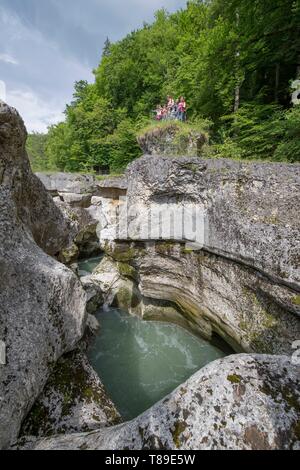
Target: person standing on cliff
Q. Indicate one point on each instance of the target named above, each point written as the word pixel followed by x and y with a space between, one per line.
pixel 170 105
pixel 182 109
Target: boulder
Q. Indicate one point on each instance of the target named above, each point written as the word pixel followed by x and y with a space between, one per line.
pixel 73 400
pixel 76 200
pixel 172 139
pixel 242 402
pixel 108 286
pixel 42 303
pixel 114 182
pixel 84 240
pixel 85 203
pixel 94 293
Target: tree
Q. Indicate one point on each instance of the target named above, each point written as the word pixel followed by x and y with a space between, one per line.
pixel 106 48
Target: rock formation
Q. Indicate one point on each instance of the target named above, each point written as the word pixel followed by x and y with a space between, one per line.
pixel 42 304
pixel 82 199
pixel 171 139
pixel 243 284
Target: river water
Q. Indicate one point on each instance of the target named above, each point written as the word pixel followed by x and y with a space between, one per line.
pixel 87 266
pixel 141 362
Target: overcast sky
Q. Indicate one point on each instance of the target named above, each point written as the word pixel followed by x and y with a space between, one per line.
pixel 46 45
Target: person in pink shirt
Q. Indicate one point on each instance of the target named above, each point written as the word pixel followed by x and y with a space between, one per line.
pixel 182 109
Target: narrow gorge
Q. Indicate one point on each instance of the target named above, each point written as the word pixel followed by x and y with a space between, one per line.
pixel 73 246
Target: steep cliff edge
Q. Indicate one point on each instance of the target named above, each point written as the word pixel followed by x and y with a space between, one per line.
pixel 42 304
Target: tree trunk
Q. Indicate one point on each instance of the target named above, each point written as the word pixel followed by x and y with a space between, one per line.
pixel 237 66
pixel 237 98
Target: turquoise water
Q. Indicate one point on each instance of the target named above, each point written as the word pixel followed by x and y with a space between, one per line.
pixel 87 266
pixel 141 362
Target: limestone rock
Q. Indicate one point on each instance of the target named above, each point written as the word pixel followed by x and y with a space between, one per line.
pixel 92 324
pixel 73 400
pixel 118 183
pixel 76 200
pixel 251 208
pixel 87 204
pixel 215 295
pixel 94 293
pixel 172 139
pixel 242 402
pixel 60 183
pixel 42 304
pixel 85 242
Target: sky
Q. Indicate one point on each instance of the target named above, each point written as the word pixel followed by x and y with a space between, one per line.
pixel 47 45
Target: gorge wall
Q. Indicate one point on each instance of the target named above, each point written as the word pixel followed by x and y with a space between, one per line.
pixel 244 283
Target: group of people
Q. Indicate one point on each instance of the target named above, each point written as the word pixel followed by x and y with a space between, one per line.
pixel 172 110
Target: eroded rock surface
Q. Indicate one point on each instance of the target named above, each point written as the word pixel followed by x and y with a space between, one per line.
pixel 242 402
pixel 42 304
pixel 251 208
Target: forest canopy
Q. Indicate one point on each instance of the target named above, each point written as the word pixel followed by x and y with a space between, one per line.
pixel 234 61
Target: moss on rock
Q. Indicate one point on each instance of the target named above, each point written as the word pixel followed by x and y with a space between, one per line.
pixel 234 378
pixel 73 400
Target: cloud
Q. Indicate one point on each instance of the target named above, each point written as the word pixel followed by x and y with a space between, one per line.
pixel 36 113
pixel 8 59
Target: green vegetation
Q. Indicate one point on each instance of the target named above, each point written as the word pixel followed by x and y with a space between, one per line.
pixel 234 61
pixel 199 126
pixel 36 148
